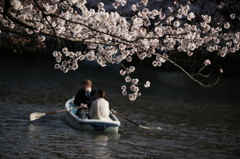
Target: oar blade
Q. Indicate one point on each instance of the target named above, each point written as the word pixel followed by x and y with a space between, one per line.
pixel 36 115
pixel 150 128
pixel 144 127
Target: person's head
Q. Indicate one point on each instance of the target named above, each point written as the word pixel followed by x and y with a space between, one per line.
pixel 101 93
pixel 87 84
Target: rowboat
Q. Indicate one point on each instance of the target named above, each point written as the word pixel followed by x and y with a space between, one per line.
pixel 90 124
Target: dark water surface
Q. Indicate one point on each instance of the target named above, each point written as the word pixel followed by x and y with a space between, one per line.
pixel 196 122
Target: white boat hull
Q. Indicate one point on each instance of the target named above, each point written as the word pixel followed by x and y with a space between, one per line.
pixel 90 124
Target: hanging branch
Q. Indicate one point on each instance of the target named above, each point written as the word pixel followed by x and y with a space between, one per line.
pixel 112 38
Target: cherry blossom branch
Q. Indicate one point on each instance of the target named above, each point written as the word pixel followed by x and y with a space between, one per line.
pixel 12 17
pixel 191 76
pixel 112 38
pixel 45 17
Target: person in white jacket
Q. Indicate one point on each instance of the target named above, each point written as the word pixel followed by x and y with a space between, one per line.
pixel 100 107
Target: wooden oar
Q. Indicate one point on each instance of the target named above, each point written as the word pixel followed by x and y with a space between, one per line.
pixel 37 115
pixel 143 127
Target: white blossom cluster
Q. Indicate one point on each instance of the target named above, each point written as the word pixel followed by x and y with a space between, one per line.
pixel 67 60
pixel 133 84
pixel 112 38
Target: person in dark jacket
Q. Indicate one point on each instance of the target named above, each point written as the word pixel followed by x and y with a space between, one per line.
pixel 84 98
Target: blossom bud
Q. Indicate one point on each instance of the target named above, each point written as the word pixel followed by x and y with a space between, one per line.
pixel 221 70
pixel 147 84
pixel 207 62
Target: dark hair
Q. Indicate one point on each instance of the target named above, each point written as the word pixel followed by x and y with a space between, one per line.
pixel 102 93
pixel 87 82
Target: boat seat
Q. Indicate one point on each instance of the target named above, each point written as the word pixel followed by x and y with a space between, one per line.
pixel 74 111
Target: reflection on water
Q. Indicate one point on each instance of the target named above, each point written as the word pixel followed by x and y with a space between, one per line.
pixel 196 122
pixel 101 149
pixel 72 143
pixel 101 145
